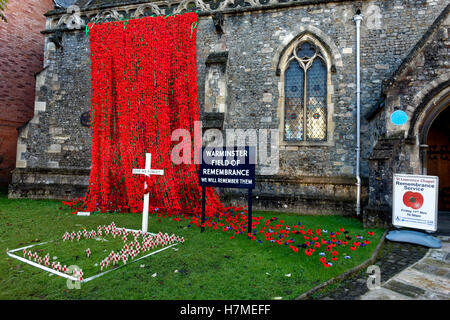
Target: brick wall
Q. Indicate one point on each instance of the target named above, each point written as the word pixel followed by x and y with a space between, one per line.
pixel 21 55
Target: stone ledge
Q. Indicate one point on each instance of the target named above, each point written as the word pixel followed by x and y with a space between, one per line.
pixel 335 180
pixel 48 183
pixel 61 171
pixel 217 57
pixel 301 204
pixel 46 191
pixel 213 120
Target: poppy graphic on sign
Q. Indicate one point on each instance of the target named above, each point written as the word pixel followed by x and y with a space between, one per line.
pixel 413 200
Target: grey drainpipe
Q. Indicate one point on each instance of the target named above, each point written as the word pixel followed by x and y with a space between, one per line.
pixel 357 18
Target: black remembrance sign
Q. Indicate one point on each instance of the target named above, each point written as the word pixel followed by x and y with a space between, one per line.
pixel 228 167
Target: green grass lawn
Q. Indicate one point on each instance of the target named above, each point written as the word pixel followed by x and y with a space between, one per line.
pixel 208 265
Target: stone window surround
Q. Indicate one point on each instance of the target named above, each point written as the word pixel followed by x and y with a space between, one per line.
pixel 281 67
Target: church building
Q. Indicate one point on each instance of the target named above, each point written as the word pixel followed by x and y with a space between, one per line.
pixel 297 69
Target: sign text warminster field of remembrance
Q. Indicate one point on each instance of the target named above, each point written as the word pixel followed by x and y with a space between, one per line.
pixel 228 167
pixel 415 201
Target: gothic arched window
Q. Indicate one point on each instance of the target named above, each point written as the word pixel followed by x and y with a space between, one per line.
pixel 305 94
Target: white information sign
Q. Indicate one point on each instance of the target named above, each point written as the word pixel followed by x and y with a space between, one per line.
pixel 415 200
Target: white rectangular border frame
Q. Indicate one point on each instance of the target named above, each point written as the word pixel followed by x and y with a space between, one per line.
pixel 64 275
pixel 396 224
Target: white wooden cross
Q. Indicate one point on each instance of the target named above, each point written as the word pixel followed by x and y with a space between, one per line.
pixel 148 172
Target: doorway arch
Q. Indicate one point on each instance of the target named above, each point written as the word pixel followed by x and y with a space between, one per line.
pixel 438 156
pixel 434 138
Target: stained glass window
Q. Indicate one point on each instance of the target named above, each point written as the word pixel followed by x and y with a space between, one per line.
pixel 293 102
pixel 305 105
pixel 317 101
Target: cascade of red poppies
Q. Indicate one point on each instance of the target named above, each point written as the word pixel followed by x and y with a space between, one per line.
pixel 144 86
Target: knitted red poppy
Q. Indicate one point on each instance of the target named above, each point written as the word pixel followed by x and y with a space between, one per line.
pixel 144 86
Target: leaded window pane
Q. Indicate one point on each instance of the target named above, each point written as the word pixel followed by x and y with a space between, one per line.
pixel 316 113
pixel 306 51
pixel 294 100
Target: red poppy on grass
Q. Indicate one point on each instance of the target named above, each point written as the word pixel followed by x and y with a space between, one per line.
pixel 370 233
pixel 366 241
pixel 353 248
